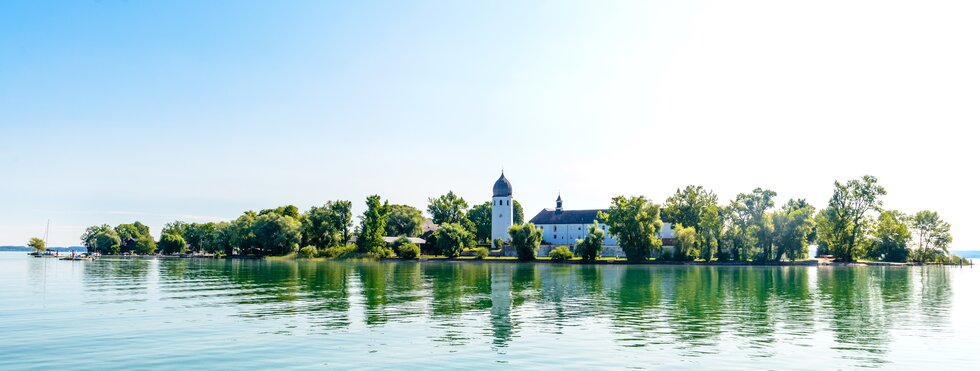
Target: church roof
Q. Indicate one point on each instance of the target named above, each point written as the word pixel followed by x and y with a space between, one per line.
pixel 502 187
pixel 549 216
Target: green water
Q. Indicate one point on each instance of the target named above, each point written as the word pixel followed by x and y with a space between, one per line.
pixel 208 314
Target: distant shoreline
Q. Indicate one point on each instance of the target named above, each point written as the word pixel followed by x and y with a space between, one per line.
pixel 542 260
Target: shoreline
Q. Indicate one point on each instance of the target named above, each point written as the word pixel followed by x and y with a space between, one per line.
pixel 513 260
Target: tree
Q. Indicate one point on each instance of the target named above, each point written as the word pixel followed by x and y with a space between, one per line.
pixel 526 238
pixel 754 224
pixel 404 220
pixel 288 210
pixel 37 245
pixel 276 234
pixel 686 242
pixel 129 234
pixel 220 240
pixel 406 249
pixel 590 247
pixel 108 242
pixel 448 208
pixel 240 234
pixel 709 230
pixel 792 228
pixel 372 231
pixel 498 243
pixel 518 213
pixel 451 238
pixel 847 219
pixel 635 221
pixel 88 238
pixel 328 225
pixel 686 206
pixel 145 245
pixel 890 238
pixel 172 243
pixel 176 227
pixel 931 237
pixel 196 235
pixel 482 218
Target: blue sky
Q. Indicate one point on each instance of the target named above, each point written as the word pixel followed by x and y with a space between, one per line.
pixel 114 111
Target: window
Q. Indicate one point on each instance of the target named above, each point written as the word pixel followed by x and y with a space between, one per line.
pixel 555 237
pixel 580 228
pixel 508 202
pixel 555 229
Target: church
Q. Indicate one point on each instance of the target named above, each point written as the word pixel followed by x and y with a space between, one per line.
pixel 558 226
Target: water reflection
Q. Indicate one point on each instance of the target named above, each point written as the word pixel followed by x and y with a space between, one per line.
pixel 699 310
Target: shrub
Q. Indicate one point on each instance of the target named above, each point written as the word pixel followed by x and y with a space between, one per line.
pixel 450 239
pixel 590 247
pixel 338 251
pixel 481 253
pixel 408 250
pixel 498 243
pixel 308 252
pixel 560 254
pixel 526 239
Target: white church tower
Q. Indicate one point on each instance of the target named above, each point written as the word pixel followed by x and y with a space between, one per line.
pixel 503 211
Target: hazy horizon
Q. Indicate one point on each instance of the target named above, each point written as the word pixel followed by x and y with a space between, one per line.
pixel 118 111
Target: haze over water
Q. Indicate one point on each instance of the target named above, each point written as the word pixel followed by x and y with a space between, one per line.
pixel 169 313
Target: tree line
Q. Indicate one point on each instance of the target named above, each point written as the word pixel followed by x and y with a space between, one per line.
pixel 326 230
pixel 853 225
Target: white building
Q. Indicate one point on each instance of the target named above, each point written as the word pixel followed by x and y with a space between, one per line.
pixel 503 210
pixel 558 226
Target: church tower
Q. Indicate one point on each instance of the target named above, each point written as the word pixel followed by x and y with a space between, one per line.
pixel 503 211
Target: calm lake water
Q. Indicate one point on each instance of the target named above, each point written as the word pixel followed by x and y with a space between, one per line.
pixel 207 314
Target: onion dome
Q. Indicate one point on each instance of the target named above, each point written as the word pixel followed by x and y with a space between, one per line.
pixel 502 187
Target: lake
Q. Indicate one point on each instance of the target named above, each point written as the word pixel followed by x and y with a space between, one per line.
pixel 206 314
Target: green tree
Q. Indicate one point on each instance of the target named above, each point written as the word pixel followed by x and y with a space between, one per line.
pixel 793 229
pixel 710 229
pixel 482 218
pixel 108 242
pixel 196 235
pixel 560 254
pixel 172 243
pixel 686 206
pixel 498 243
pixel 590 247
pixel 88 238
pixel 328 225
pixel 277 234
pixel 372 230
pixel 448 208
pixel 526 238
pixel 37 245
pixel 145 245
pixel 635 221
pixel 754 224
pixel 404 220
pixel 931 237
pixel 130 234
pixel 847 216
pixel 406 249
pixel 288 210
pixel 686 242
pixel 451 238
pixel 518 213
pixel 240 234
pixel 219 241
pixel 176 227
pixel 890 238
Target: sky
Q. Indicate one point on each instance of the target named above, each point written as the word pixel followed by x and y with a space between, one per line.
pixel 115 111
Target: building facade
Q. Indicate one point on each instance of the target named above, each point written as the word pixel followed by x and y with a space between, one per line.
pixel 503 209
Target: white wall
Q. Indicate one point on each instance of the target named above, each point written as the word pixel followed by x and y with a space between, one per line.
pixel 503 218
pixel 566 234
